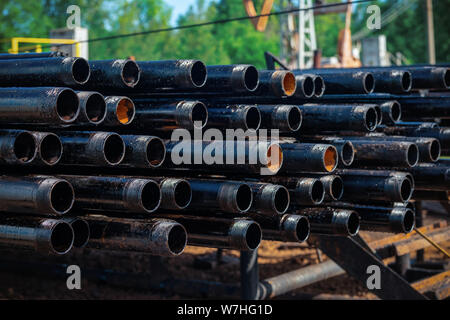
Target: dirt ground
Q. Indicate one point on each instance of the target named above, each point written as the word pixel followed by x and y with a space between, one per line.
pixel 274 258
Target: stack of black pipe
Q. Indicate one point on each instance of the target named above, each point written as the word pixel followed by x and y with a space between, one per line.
pixel 95 154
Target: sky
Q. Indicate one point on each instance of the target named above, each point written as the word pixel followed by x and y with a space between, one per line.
pixel 179 7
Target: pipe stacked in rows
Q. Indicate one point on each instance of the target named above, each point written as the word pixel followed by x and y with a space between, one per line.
pixel 95 154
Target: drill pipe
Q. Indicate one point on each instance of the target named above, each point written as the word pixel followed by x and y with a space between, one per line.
pixel 429 176
pixel 286 228
pixel 279 83
pixel 113 74
pixel 119 111
pixel 42 105
pixel 49 148
pixel 48 236
pixel 299 157
pixel 92 148
pixel 240 78
pixel 332 221
pixel 234 116
pixel 17 147
pixel 32 55
pixel 344 147
pixel 143 151
pixel 238 233
pixel 428 107
pixel 257 157
pixel 391 111
pixel 60 72
pixel 303 191
pixel 430 78
pixel 115 194
pixel 176 194
pixel 329 117
pixel 332 184
pixel 429 148
pixel 305 86
pixel 421 129
pixel 226 196
pixel 385 153
pixel 397 219
pixel 372 185
pixel 339 82
pixel 166 117
pixel 159 237
pixel 269 199
pixel 286 118
pixel 92 108
pixel 319 85
pixel 40 195
pixel 171 75
pixel 81 231
pixel 392 81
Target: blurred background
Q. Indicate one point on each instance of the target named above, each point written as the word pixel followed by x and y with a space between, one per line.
pixel 403 34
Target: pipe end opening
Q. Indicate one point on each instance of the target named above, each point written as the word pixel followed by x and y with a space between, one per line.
pixel 369 83
pixel 251 78
pixel 81 71
pixel 371 119
pixel 253 118
pixel 253 236
pixel 62 238
pixel 24 147
pixel 177 239
pixel 412 155
pixel 130 73
pixel 67 105
pixel 62 197
pixel 156 152
pixel 183 194
pixel 51 149
pixel 330 159
pixel 151 196
pixel 81 233
pixel 353 224
pixel 114 149
pixel 289 84
pixel 406 81
pixel 244 197
pixel 198 74
pixel 96 108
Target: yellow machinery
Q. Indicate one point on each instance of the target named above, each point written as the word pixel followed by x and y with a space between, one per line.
pixel 38 48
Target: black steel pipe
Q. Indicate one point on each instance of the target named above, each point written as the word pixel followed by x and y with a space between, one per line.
pixel 286 118
pixel 92 148
pixel 115 194
pixel 81 231
pixel 429 148
pixel 332 221
pixel 234 116
pixel 60 72
pixel 278 83
pixel 45 105
pixel 143 151
pixel 159 237
pixel 119 111
pixel 303 191
pixel 169 116
pixel 240 78
pixel 17 147
pixel 421 129
pixel 430 78
pixel 345 148
pixel 226 196
pixel 269 199
pixel 305 86
pixel 92 108
pixel 238 233
pixel 171 75
pixel 392 81
pixel 176 194
pixel 113 74
pixel 385 153
pixel 397 220
pixel 332 184
pixel 391 111
pixel 371 185
pixel 49 148
pixel 37 195
pixel 298 157
pixel 36 234
pixel 255 157
pixel 338 117
pixel 339 82
pixel 432 176
pixel 286 228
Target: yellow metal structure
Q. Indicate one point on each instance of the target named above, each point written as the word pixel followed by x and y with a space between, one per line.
pixel 16 40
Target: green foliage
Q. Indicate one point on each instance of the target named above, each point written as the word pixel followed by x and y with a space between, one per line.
pixel 235 42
